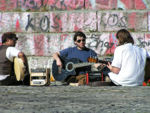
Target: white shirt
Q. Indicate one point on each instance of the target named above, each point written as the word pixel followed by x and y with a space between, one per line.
pixel 131 60
pixel 11 52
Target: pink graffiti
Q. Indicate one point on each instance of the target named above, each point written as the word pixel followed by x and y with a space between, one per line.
pixel 3 5
pixel 103 2
pixel 132 20
pixel 33 4
pixel 76 28
pixel 7 5
pixel 147 36
pixel 66 4
pixel 63 37
pixel 134 4
pixel 129 4
pixel 139 4
pixel 39 45
pixel 57 25
pixel 113 41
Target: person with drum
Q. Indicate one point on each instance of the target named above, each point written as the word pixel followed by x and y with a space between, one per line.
pixel 7 54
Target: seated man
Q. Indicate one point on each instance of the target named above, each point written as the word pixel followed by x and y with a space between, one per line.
pixel 127 68
pixel 80 52
pixel 7 54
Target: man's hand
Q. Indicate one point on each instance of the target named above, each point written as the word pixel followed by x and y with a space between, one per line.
pixel 97 65
pixel 59 63
pixel 109 66
pixel 113 69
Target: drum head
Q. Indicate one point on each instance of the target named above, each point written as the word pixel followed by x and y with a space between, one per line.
pixel 19 69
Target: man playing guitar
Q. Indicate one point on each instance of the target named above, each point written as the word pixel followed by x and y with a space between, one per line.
pixel 80 52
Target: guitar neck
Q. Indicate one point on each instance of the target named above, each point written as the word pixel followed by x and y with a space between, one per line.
pixel 103 61
pixel 82 64
pixel 89 63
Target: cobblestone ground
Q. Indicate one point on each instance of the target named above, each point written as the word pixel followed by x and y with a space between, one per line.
pixel 74 99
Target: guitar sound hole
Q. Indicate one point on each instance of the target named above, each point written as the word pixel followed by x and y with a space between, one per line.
pixel 70 67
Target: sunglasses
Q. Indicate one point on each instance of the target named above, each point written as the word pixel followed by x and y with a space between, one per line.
pixel 83 40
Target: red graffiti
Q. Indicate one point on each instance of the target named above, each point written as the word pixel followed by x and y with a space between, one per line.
pixel 18 26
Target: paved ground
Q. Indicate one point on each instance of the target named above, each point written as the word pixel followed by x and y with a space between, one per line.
pixel 74 99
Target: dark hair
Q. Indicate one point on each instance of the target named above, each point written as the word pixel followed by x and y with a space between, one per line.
pixel 124 37
pixel 9 35
pixel 79 33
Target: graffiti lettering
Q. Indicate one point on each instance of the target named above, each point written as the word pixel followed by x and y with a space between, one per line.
pixel 32 4
pixel 96 42
pixel 67 4
pixel 106 44
pixel 30 23
pixel 63 6
pixel 114 20
pixel 123 22
pixel 44 24
pixel 44 4
pixel 54 6
pixel 57 23
pixel 143 43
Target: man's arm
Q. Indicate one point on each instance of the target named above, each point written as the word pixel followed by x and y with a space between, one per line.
pixel 57 58
pixel 113 69
pixel 24 58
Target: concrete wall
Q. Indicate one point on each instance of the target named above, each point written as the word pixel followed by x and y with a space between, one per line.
pixel 47 26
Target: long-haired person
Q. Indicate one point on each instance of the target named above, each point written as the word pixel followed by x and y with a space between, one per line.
pixel 127 68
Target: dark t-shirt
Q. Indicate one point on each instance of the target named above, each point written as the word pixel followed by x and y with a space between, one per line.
pixel 82 55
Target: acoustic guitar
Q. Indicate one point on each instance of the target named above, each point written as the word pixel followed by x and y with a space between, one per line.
pixel 19 69
pixel 70 66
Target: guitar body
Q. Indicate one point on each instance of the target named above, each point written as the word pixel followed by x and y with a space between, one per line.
pixel 66 70
pixel 71 67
